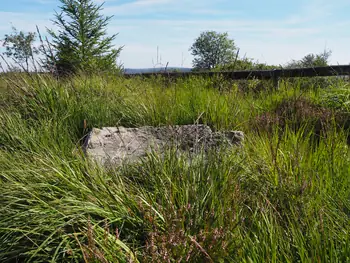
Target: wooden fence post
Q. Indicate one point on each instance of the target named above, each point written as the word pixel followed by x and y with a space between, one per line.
pixel 276 79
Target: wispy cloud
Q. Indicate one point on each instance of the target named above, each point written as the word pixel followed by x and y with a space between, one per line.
pixel 150 2
pixel 43 2
pixel 168 8
pixel 23 21
pixel 135 7
pixel 316 11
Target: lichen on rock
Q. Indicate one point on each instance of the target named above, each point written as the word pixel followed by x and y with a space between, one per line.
pixel 115 145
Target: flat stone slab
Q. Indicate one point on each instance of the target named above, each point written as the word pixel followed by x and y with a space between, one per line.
pixel 115 145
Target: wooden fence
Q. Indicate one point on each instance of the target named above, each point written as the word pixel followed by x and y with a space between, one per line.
pixel 275 75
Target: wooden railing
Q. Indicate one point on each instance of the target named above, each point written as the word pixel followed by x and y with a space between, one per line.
pixel 275 75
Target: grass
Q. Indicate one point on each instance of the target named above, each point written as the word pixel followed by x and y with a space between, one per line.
pixel 283 197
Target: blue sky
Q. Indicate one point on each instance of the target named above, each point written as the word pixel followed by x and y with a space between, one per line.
pixel 270 31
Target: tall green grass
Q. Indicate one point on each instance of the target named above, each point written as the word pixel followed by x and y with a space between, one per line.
pixel 282 197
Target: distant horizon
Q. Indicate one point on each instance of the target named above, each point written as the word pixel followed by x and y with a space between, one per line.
pixel 330 65
pixel 160 68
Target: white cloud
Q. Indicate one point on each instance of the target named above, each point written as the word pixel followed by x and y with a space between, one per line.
pixel 262 40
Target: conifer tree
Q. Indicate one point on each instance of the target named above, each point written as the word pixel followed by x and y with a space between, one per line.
pixel 81 43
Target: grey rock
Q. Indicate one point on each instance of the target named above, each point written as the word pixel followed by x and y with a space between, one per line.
pixel 115 145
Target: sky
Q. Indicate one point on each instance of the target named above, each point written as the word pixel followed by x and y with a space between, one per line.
pixel 269 31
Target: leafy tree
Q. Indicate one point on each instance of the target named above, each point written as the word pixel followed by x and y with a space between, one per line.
pixel 212 49
pixel 81 43
pixel 311 60
pixel 19 47
pixel 246 64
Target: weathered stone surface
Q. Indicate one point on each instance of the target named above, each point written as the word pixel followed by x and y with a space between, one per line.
pixel 114 145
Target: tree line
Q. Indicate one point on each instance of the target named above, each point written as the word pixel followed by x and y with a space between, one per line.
pixel 81 44
pixel 216 51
